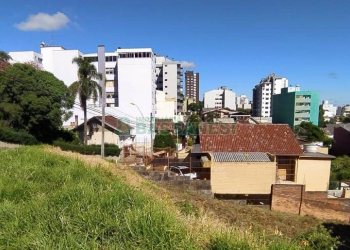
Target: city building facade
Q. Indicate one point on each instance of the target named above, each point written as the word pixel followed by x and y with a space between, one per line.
pixel 263 92
pixel 293 106
pixel 192 85
pixel 220 98
pixel 330 111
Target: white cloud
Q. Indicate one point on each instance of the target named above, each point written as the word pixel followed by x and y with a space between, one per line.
pixel 44 22
pixel 186 64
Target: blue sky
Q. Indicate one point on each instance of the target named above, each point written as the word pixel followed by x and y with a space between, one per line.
pixel 232 43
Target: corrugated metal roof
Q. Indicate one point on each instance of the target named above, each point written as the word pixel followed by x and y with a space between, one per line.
pixel 240 157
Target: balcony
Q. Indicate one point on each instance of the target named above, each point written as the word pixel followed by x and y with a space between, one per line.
pixel 303 100
pixel 302 108
pixel 302 115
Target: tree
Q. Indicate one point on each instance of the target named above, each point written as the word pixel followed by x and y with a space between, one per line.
pixel 340 169
pixel 164 140
pixel 321 122
pixel 4 57
pixel 4 60
pixel 32 100
pixel 196 107
pixel 311 132
pixel 86 87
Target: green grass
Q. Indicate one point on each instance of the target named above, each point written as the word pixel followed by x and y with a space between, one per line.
pixel 48 201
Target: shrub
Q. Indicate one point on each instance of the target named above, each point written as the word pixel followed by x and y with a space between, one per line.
pixel 318 238
pixel 110 149
pixel 20 137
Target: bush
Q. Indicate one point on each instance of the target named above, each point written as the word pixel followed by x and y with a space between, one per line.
pixel 110 149
pixel 20 137
pixel 318 238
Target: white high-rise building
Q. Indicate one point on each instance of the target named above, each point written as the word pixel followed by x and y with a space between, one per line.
pixel 262 94
pixel 169 80
pixel 329 110
pixel 220 98
pixel 27 57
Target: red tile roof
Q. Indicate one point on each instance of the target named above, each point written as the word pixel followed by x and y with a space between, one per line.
pixel 277 139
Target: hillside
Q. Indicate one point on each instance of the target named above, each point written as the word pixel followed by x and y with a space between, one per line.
pixel 54 199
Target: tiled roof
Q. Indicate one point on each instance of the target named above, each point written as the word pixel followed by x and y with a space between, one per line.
pixel 164 124
pixel 114 123
pixel 240 157
pixel 276 139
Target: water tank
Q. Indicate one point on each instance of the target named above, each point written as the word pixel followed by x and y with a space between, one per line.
pixel 311 148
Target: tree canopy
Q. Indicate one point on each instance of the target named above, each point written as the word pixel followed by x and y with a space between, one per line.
pixel 341 168
pixel 164 140
pixel 33 100
pixel 310 132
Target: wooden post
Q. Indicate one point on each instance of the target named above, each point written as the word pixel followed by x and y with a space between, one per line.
pixel 301 198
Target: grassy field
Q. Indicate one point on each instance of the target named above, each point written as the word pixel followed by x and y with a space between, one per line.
pixel 52 200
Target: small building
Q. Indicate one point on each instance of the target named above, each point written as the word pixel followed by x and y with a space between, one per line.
pixel 293 106
pixel 116 131
pixel 246 159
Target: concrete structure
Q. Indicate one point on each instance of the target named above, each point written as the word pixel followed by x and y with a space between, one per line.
pixel 165 107
pixel 27 57
pixel 169 80
pixel 345 111
pixel 293 106
pixel 187 101
pixel 242 176
pixel 262 94
pixel 220 98
pixel 242 102
pixel 192 85
pixel 330 111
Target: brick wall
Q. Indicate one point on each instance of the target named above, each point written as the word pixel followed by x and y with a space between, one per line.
pixel 294 199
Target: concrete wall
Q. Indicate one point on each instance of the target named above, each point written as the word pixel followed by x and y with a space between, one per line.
pixel 242 177
pixel 110 138
pixel 313 173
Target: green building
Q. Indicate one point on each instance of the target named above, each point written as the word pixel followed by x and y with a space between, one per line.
pixel 293 106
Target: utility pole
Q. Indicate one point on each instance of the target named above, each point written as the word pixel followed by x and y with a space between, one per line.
pixel 102 70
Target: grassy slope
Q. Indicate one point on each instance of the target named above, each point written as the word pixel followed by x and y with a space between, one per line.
pixel 53 201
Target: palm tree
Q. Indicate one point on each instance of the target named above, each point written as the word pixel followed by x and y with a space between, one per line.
pixel 86 87
pixel 4 57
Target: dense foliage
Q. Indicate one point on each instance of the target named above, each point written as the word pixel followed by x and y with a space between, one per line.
pixel 312 133
pixel 164 140
pixel 19 137
pixel 32 100
pixel 110 149
pixel 340 169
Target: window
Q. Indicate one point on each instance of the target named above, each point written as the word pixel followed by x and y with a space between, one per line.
pixel 166 73
pixel 165 86
pixel 166 80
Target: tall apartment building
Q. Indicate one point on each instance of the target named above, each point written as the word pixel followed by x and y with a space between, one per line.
pixel 220 98
pixel 136 81
pixel 169 79
pixel 293 106
pixel 192 85
pixel 263 92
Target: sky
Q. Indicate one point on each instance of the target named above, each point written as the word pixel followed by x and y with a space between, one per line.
pixel 233 43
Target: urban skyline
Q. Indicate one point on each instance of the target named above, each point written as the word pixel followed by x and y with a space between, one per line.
pixel 234 43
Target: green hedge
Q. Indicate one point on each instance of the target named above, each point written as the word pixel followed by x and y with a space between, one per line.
pixel 110 149
pixel 20 137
